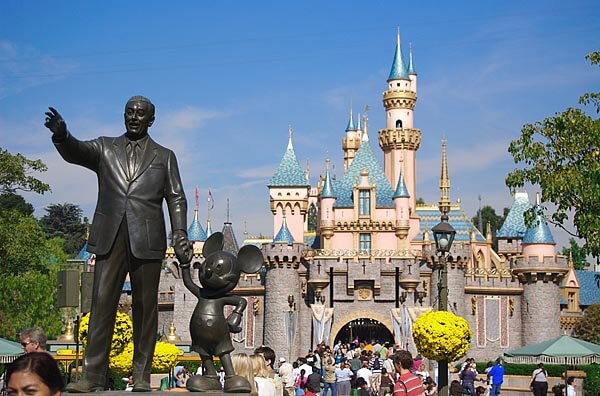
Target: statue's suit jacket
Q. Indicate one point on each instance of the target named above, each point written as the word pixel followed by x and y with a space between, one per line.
pixel 139 198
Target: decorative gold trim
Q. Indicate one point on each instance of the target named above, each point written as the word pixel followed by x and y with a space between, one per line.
pixel 506 291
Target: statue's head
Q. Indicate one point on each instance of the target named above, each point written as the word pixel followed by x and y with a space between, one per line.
pixel 139 116
pixel 221 270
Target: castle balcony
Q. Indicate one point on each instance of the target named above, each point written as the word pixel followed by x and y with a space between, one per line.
pixel 549 269
pixel 399 99
pixel 398 139
pixel 491 281
pixel 283 255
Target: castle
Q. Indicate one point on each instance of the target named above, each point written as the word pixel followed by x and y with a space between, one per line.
pixel 357 253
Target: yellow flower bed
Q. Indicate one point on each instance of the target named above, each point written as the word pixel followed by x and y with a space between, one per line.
pixel 121 349
pixel 122 333
pixel 441 335
pixel 165 358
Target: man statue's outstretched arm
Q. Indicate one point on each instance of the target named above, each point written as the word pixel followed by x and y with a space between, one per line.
pixel 72 150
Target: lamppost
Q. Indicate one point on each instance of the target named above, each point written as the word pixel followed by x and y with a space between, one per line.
pixel 443 234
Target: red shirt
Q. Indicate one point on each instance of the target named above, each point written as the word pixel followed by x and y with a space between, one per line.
pixel 409 385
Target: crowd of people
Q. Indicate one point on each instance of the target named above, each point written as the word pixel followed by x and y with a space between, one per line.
pixel 356 369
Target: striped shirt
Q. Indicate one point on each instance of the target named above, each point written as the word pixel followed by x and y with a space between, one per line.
pixel 409 385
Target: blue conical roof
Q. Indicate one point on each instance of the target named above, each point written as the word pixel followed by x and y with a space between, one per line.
pixel 284 235
pixel 327 187
pixel 514 224
pixel 539 232
pixel 209 230
pixel 401 190
pixel 288 173
pixel 350 126
pixel 365 160
pixel 195 230
pixel 398 70
pixel 411 66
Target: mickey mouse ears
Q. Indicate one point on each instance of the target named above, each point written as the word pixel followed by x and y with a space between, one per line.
pixel 250 259
pixel 214 243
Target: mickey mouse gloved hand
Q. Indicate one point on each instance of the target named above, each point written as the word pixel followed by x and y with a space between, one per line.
pixel 183 248
pixel 234 321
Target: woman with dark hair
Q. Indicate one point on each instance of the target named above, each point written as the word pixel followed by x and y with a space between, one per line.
pixel 34 374
pixel 539 381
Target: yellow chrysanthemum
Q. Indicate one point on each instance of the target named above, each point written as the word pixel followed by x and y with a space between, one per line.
pixel 122 333
pixel 441 335
pixel 165 357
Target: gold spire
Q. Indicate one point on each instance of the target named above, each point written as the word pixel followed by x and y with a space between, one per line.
pixel 444 204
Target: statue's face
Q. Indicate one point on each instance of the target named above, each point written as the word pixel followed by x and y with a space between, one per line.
pixel 138 118
pixel 219 272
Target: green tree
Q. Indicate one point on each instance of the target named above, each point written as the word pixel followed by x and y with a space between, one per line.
pixel 28 265
pixel 488 215
pixel 561 155
pixel 16 173
pixel 22 245
pixel 65 221
pixel 10 200
pixel 577 253
pixel 588 327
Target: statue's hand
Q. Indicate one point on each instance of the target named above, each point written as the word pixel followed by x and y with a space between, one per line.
pixel 56 123
pixel 183 248
pixel 234 321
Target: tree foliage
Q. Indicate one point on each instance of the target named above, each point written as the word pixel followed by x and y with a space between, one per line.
pixel 561 155
pixel 488 215
pixel 577 253
pixel 16 173
pixel 65 221
pixel 28 297
pixel 14 201
pixel 588 327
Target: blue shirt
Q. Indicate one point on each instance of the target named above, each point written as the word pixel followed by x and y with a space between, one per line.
pixel 497 374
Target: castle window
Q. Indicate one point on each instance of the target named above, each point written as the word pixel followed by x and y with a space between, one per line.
pixel 398 124
pixel 364 202
pixel 364 243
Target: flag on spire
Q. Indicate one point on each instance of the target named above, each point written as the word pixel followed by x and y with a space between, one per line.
pixel 211 201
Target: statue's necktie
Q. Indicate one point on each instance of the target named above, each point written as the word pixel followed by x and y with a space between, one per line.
pixel 132 154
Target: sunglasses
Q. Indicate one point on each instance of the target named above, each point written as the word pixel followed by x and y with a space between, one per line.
pixel 24 344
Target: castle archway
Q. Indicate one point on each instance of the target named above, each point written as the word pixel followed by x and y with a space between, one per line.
pixel 366 325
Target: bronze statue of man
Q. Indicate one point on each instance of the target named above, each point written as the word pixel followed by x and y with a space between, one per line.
pixel 135 175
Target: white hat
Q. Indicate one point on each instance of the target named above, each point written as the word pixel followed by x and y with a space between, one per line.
pixel 281 359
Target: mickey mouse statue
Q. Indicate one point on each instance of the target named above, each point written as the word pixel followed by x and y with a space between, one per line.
pixel 218 274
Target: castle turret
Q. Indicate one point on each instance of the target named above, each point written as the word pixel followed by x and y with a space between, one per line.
pixel 401 199
pixel 351 143
pixel 289 190
pixel 412 74
pixel 326 212
pixel 400 140
pixel 540 271
pixel 283 294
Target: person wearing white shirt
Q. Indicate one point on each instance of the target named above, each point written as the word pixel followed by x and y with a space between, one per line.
pixel 365 372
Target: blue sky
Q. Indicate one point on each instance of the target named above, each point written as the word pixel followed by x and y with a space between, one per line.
pixel 228 78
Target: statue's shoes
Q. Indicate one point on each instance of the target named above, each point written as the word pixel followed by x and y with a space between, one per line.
pixel 83 386
pixel 236 384
pixel 203 383
pixel 141 386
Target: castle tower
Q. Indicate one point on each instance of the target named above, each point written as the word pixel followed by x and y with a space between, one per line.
pixel 289 190
pixel 401 201
pixel 540 271
pixel 327 222
pixel 351 142
pixel 283 299
pixel 400 140
pixel 196 233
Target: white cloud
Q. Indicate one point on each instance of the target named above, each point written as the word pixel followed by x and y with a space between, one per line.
pixel 25 67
